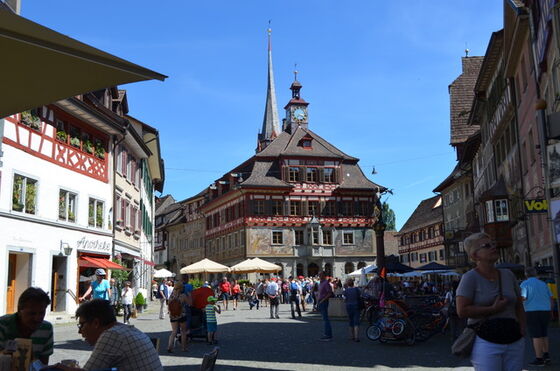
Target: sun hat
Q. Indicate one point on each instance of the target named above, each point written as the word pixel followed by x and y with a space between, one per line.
pixel 211 299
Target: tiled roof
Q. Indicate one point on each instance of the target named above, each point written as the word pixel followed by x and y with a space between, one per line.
pixel 287 144
pixel 265 174
pixel 461 92
pixel 354 178
pixel 428 212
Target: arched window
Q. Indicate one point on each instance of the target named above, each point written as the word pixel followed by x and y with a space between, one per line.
pixel 312 269
pixel 348 267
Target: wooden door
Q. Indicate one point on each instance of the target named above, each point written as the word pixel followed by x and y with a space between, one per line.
pixel 54 291
pixel 10 298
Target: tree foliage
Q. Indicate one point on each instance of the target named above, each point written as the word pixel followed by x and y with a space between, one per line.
pixel 388 216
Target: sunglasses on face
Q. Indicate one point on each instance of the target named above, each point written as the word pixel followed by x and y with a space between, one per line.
pixel 487 245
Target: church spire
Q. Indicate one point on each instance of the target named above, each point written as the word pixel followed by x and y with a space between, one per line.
pixel 271 122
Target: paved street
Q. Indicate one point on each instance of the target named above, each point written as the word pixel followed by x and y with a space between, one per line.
pixel 249 340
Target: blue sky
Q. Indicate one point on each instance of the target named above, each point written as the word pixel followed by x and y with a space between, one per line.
pixel 375 73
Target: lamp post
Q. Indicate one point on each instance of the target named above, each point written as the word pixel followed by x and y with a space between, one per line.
pixel 379 228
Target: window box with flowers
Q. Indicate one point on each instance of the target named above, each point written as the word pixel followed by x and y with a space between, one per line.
pixel 99 150
pixel 87 146
pixel 75 137
pixel 31 118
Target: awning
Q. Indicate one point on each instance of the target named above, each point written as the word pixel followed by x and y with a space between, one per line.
pixel 41 66
pixel 150 263
pixel 89 262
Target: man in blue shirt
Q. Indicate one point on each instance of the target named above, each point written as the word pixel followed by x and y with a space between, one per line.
pixel 537 301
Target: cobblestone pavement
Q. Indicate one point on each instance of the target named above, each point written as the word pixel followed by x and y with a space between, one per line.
pixel 249 340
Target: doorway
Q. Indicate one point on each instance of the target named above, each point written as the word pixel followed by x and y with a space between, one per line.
pixel 312 270
pixel 58 284
pixel 19 278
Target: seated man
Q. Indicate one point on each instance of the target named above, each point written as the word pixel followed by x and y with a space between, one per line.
pixel 28 322
pixel 115 344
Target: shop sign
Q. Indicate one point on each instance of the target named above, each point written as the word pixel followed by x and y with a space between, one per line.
pixel 536 206
pixel 94 245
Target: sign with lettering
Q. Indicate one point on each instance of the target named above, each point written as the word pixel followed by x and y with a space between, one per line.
pixel 536 206
pixel 94 245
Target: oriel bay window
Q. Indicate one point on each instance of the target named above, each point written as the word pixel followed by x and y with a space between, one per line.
pixel 327 237
pixel 497 211
pixel 24 194
pixel 95 213
pixel 67 206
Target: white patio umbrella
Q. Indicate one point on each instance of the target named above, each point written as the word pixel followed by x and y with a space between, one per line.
pixel 205 266
pixel 246 266
pixel 262 266
pixel 163 273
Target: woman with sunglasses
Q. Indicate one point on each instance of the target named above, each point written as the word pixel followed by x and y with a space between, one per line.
pixel 491 300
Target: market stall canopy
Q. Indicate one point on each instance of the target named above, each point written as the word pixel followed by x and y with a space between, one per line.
pixel 41 66
pixel 367 270
pixel 163 273
pixel 89 262
pixel 433 266
pixel 396 267
pixel 204 266
pixel 255 265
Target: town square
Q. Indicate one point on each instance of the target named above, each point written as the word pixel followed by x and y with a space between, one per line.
pixel 279 185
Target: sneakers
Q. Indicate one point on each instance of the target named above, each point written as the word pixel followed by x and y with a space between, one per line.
pixel 537 362
pixel 326 338
pixel 546 358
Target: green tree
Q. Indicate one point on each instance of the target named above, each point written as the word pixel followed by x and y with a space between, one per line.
pixel 388 216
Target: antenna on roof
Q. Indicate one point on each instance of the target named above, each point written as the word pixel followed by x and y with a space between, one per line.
pixel 466 50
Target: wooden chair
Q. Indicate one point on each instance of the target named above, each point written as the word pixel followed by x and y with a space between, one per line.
pixel 155 341
pixel 209 360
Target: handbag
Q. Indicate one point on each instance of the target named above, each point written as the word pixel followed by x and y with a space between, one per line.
pixel 462 347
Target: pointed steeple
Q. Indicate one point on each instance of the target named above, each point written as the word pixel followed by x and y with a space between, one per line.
pixel 271 122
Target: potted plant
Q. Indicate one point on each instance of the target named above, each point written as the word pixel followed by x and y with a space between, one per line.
pixel 30 118
pixel 62 136
pixel 87 145
pixel 99 150
pixel 75 142
pixel 140 301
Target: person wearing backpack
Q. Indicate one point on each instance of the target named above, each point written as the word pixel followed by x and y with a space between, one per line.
pixel 177 307
pixel 295 296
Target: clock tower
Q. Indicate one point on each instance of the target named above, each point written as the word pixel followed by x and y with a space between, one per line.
pixel 296 109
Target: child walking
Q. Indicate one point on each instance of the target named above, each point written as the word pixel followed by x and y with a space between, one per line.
pixel 211 321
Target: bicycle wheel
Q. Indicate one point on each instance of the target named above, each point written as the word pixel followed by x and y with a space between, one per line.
pixel 373 332
pixel 398 327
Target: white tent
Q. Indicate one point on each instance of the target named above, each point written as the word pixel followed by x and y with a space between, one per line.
pixel 163 273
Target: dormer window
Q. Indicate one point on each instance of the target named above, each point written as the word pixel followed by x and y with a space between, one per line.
pixel 306 142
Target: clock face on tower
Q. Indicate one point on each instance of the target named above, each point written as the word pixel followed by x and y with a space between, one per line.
pixel 299 114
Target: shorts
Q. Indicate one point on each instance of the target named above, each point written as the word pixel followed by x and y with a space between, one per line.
pixel 235 296
pixel 537 323
pixel 211 326
pixel 224 296
pixel 180 320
